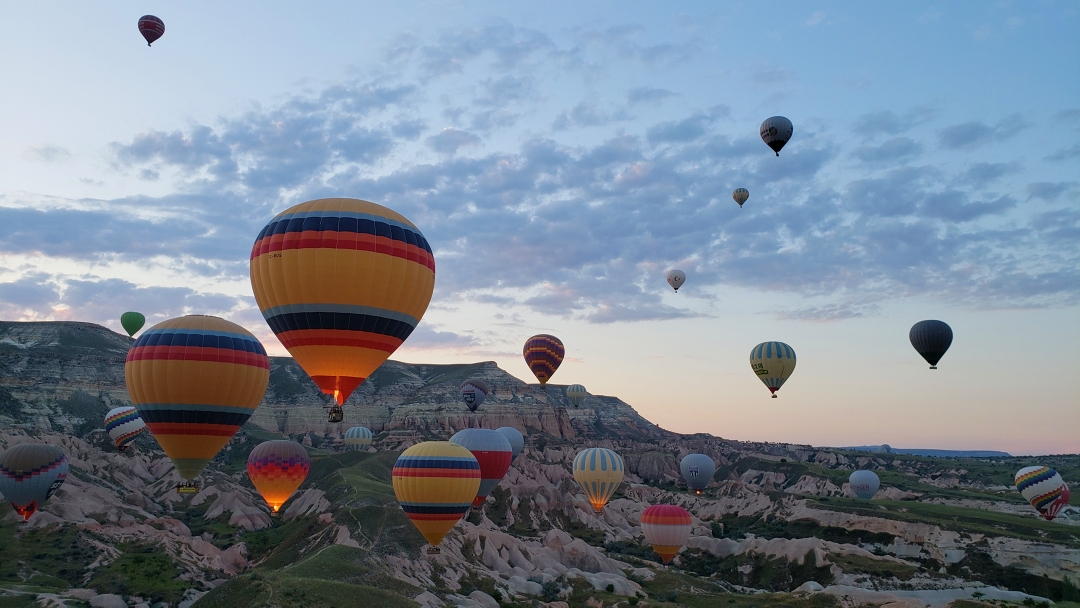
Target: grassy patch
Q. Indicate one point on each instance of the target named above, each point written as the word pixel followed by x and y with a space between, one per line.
pixel 144 570
pixel 756 570
pixel 858 564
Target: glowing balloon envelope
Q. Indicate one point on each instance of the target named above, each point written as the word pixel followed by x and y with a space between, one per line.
pixel 494 453
pixel 474 392
pixel 435 483
pixel 195 381
pixel 775 132
pixel 29 474
pixel 1044 488
pixel 123 424
pixel 598 471
pixel 576 393
pixel 543 354
pixel 697 470
pixel 132 322
pixel 514 436
pixel 931 339
pixel 342 283
pixel 740 195
pixel 864 483
pixel 676 278
pixel 277 468
pixel 666 528
pixel 773 362
pixel 151 28
pixel 358 438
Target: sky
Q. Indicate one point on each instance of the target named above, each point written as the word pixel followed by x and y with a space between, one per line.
pixel 560 157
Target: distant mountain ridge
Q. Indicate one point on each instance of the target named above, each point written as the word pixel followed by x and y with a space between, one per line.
pixel 928 452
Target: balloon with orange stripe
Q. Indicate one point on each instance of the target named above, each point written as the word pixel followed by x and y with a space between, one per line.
pixel 666 528
pixel 195 381
pixel 342 283
pixel 277 468
pixel 435 483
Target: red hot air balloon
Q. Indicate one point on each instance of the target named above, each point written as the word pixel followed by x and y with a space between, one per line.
pixel 151 28
pixel 494 453
pixel 543 354
pixel 666 528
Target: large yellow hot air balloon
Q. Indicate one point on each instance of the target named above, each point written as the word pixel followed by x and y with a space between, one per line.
pixel 435 483
pixel 598 471
pixel 342 282
pixel 195 381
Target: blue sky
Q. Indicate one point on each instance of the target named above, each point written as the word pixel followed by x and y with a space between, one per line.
pixel 560 158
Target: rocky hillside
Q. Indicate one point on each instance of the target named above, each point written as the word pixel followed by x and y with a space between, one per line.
pixel 777 527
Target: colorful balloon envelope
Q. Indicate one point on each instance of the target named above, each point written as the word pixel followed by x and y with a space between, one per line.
pixel 123 425
pixel 277 468
pixel 776 131
pixel 132 322
pixel 151 28
pixel 358 438
pixel 740 195
pixel 576 393
pixel 666 528
pixel 773 362
pixel 514 436
pixel 435 483
pixel 195 381
pixel 29 474
pixel 474 392
pixel 1044 488
pixel 931 339
pixel 543 354
pixel 494 453
pixel 676 278
pixel 864 483
pixel 598 471
pixel 342 283
pixel 697 470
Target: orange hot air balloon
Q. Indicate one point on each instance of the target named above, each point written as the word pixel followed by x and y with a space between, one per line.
pixel 342 283
pixel 277 468
pixel 195 381
pixel 435 483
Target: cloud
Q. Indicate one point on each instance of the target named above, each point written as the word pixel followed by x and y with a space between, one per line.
pixel 764 75
pixel 449 141
pixel 981 175
pixel 887 122
pixel 623 40
pixel 816 18
pixel 974 134
pixel 587 114
pixel 46 154
pixel 893 150
pixel 1048 191
pixel 648 95
pixel 1064 154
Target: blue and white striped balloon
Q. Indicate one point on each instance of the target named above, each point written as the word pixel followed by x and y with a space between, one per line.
pixel 358 438
pixel 773 362
pixel 598 471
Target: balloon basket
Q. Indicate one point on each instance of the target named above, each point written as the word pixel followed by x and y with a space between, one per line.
pixel 187 487
pixel 434 551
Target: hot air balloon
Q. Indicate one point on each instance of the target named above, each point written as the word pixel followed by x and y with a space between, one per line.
pixel 775 132
pixel 697 470
pixel 598 471
pixel 277 468
pixel 543 354
pixel 435 483
pixel 494 453
pixel 666 528
pixel 1044 488
pixel 123 425
pixel 931 339
pixel 517 441
pixel 132 322
pixel 676 278
pixel 358 438
pixel 195 381
pixel 773 362
pixel 342 283
pixel 151 28
pixel 864 483
pixel 29 474
pixel 576 394
pixel 740 195
pixel 474 392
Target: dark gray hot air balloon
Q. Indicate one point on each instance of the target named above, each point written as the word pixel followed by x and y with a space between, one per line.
pixel 474 392
pixel 931 339
pixel 775 132
pixel 697 470
pixel 864 483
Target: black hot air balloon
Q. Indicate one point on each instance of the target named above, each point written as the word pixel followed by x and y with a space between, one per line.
pixel 931 339
pixel 151 28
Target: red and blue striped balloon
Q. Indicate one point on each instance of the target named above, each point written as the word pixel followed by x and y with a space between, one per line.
pixel 494 453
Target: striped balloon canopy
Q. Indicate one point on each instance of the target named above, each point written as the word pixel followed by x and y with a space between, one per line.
pixel 29 474
pixel 494 453
pixel 1044 488
pixel 598 471
pixel 474 392
pixel 576 393
pixel 277 468
pixel 666 528
pixel 773 362
pixel 342 283
pixel 358 438
pixel 435 483
pixel 123 424
pixel 195 381
pixel 543 354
